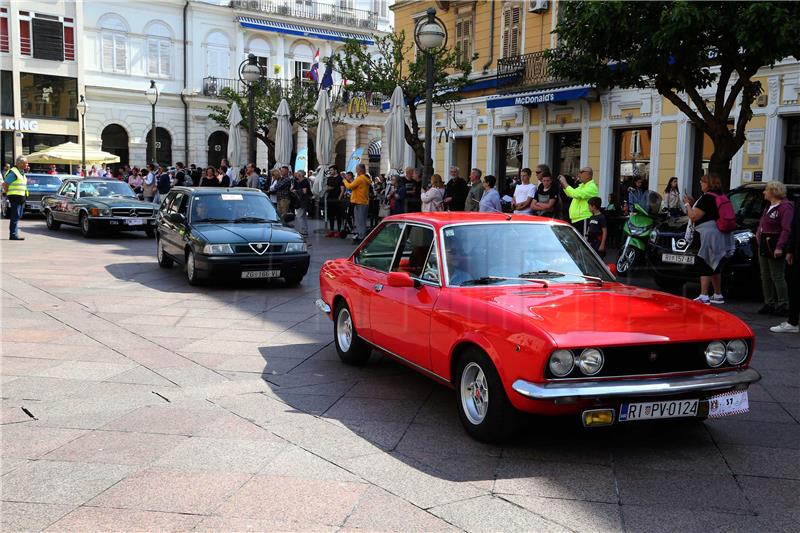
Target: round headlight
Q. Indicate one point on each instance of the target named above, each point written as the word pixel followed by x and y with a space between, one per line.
pixel 561 363
pixel 736 352
pixel 715 353
pixel 590 361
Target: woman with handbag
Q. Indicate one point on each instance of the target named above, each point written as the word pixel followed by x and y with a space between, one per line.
pixel 774 231
pixel 433 196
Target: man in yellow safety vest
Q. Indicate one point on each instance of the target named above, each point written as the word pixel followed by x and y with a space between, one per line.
pixel 15 186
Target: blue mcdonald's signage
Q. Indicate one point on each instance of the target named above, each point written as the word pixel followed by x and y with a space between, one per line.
pixel 535 98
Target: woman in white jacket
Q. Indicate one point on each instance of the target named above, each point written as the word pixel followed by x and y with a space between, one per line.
pixel 433 196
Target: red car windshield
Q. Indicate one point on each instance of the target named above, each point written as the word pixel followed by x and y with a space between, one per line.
pixel 509 253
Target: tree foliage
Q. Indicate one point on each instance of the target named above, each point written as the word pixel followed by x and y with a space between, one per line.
pixel 680 48
pixel 393 62
pixel 268 93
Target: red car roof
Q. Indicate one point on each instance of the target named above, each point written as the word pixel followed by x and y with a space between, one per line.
pixel 443 218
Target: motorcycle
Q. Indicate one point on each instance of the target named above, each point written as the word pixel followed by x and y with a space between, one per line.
pixel 637 229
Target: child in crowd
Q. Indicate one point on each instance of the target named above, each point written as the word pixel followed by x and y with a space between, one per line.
pixel 596 229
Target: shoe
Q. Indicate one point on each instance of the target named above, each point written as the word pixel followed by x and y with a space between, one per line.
pixel 703 299
pixel 330 234
pixel 780 310
pixel 785 327
pixel 16 238
pixel 766 309
pixel 717 299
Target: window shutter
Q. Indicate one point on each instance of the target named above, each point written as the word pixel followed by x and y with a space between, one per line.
pixel 107 46
pixel 467 39
pixel 25 46
pixel 152 57
pixel 515 20
pixel 459 39
pixel 165 58
pixel 120 53
pixel 69 43
pixel 506 32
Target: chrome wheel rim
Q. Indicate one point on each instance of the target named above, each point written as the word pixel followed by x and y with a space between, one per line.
pixel 159 251
pixel 190 265
pixel 474 393
pixel 85 224
pixel 49 218
pixel 344 330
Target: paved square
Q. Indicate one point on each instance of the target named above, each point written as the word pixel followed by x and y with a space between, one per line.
pixel 134 402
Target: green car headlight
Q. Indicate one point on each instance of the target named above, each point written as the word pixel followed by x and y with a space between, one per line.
pixel 296 247
pixel 217 249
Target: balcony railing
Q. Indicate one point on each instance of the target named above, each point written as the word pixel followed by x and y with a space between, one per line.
pixel 528 71
pixel 327 13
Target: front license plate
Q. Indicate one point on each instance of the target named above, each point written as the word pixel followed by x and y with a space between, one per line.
pixel 135 222
pixel 261 274
pixel 678 259
pixel 730 403
pixel 653 410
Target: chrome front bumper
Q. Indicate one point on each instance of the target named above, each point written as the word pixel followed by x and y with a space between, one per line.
pixel 635 387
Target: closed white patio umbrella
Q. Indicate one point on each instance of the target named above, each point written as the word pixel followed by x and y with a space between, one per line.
pixel 234 139
pixel 395 130
pixel 283 135
pixel 324 140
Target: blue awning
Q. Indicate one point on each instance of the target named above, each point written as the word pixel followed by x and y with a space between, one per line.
pixel 303 31
pixel 534 98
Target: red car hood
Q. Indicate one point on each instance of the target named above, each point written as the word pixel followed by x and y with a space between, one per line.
pixel 614 314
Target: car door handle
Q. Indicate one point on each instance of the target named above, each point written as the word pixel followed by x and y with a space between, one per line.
pixel 378 287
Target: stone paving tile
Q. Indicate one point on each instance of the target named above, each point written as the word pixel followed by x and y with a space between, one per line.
pixel 758 461
pixel 230 455
pixel 574 515
pixel 164 419
pixel 227 524
pixel 681 489
pixel 374 409
pixel 296 462
pixel 60 482
pixel 766 412
pixel 315 404
pixel 86 370
pixel 321 437
pixel 556 480
pixel 13 415
pixel 386 435
pixel 170 490
pixel 55 351
pixel 31 441
pixel 767 434
pixel 700 457
pixel 230 426
pixel 25 366
pixel 291 499
pixel 100 519
pixel 377 510
pixel 7 464
pixel 43 389
pixel 116 447
pixel 141 376
pixel 477 470
pixel 190 376
pixel 447 439
pixel 661 519
pixel 409 479
pixel 768 494
pixel 257 363
pixel 484 514
pixel 19 516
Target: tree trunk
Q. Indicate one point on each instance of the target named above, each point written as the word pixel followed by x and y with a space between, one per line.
pixel 725 149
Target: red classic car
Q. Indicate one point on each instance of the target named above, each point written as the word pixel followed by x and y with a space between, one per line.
pixel 517 313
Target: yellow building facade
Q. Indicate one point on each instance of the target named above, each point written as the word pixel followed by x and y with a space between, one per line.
pixel 514 115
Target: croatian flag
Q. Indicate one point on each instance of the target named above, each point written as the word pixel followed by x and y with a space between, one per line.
pixel 313 74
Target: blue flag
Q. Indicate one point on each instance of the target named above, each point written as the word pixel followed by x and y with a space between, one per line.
pixel 327 78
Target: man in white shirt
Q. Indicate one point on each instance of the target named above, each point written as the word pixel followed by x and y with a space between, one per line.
pixel 523 194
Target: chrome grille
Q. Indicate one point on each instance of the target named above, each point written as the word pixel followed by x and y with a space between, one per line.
pixel 137 212
pixel 245 249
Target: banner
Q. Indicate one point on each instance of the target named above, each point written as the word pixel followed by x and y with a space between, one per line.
pixel 355 159
pixel 301 161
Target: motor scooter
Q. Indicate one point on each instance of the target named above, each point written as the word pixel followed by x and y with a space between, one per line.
pixel 637 229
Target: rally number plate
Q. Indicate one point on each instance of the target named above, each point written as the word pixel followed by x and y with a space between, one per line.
pixel 652 410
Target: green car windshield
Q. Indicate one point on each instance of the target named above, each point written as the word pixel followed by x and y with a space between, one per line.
pixel 232 207
pixel 511 253
pixel 105 189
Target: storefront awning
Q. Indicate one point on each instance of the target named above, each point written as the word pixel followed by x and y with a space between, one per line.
pixel 544 96
pixel 303 31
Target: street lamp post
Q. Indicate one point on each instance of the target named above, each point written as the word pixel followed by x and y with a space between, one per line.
pixel 430 34
pixel 249 73
pixel 152 97
pixel 82 106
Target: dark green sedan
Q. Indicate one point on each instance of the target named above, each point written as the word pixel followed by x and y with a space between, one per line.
pixel 226 234
pixel 95 204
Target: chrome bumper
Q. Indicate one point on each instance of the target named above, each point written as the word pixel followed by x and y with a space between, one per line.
pixel 322 306
pixel 635 387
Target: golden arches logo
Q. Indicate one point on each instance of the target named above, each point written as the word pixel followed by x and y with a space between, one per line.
pixel 357 107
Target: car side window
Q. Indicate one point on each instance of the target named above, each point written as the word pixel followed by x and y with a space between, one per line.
pixel 379 251
pixel 415 246
pixel 70 186
pixel 165 205
pixel 176 202
pixel 431 271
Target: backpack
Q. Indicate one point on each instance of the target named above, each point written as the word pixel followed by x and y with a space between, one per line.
pixel 263 183
pixel 726 222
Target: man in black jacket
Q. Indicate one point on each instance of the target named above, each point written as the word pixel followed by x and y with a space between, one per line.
pixel 455 192
pixel 164 184
pixel 792 325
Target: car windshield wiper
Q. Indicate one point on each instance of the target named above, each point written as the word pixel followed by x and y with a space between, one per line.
pixel 488 280
pixel 559 274
pixel 211 219
pixel 253 219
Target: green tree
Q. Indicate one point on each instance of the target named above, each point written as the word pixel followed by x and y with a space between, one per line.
pixel 393 62
pixel 301 98
pixel 680 48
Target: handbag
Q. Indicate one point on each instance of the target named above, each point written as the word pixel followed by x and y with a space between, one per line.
pixel 766 245
pixel 384 210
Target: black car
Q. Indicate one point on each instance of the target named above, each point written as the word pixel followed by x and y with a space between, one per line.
pixel 227 234
pixel 39 185
pixel 674 261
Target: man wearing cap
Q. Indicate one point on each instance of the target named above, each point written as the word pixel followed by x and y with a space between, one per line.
pixel 15 185
pixel 579 207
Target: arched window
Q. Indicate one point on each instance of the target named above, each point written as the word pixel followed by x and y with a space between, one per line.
pixel 114 43
pixel 260 49
pixel 163 146
pixel 217 148
pixel 303 55
pixel 218 55
pixel 159 50
pixel 115 141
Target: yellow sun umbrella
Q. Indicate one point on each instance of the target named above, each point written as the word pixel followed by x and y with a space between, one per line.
pixel 70 154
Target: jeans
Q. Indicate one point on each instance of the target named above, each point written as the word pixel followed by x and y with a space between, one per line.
pixel 773 281
pixel 361 212
pixel 301 220
pixel 16 209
